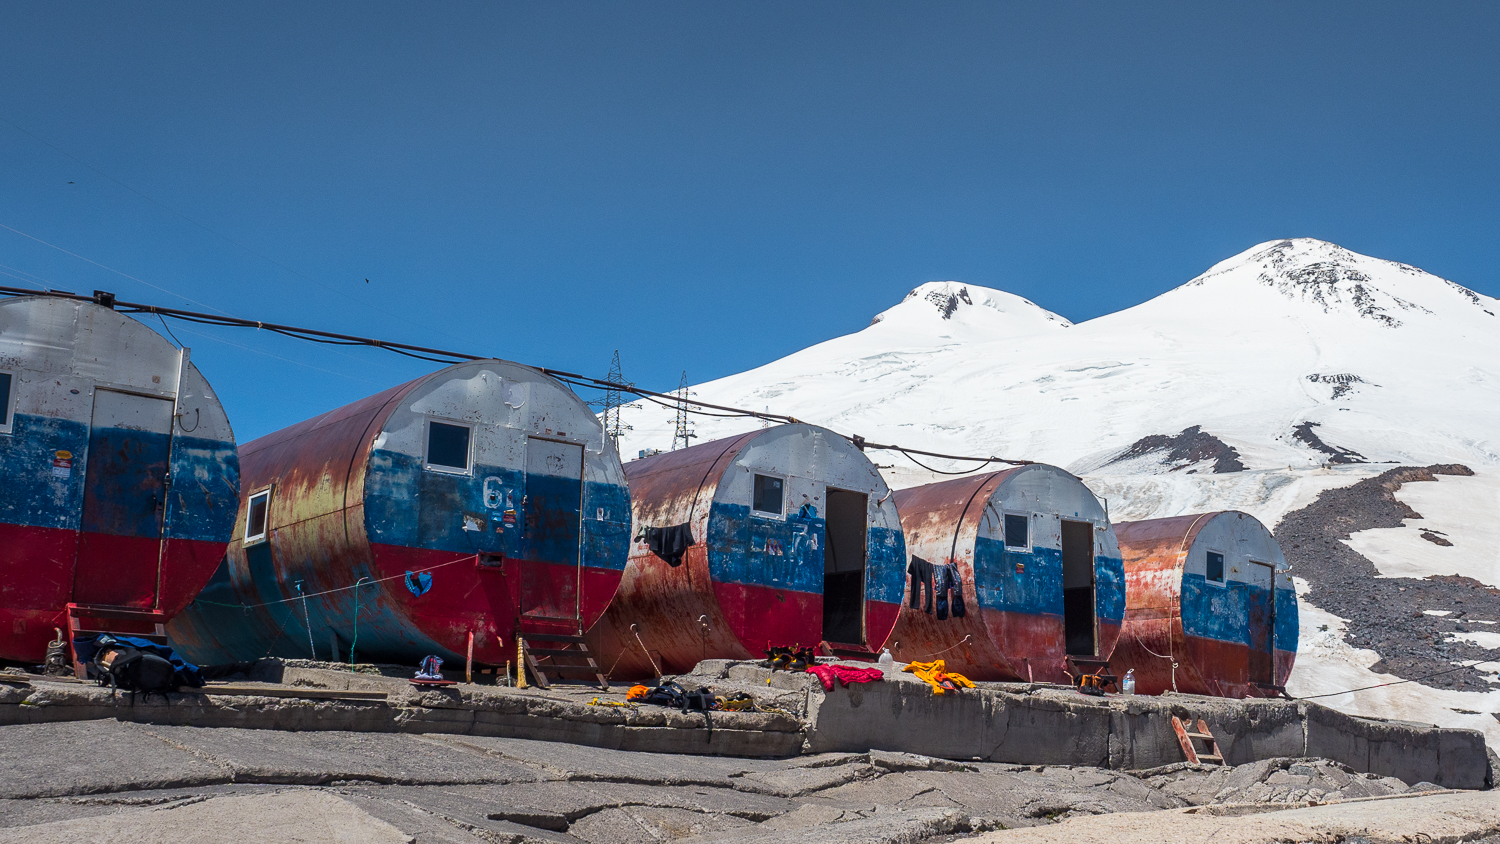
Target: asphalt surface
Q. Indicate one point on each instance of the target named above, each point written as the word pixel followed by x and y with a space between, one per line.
pixel 118 781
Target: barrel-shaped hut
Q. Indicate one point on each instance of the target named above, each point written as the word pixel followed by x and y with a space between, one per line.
pixel 1209 609
pixel 448 512
pixel 118 474
pixel 780 537
pixel 1029 558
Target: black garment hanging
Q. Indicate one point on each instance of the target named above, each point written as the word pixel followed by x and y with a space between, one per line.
pixel 946 580
pixel 943 581
pixel 670 543
pixel 921 580
pixel 959 610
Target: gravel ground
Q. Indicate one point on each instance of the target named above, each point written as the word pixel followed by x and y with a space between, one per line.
pixel 1385 613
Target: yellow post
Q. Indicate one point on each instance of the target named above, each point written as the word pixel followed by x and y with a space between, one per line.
pixel 520 664
pixel 469 661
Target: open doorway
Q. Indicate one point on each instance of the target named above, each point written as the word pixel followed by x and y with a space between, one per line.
pixel 1262 620
pixel 844 567
pixel 1078 588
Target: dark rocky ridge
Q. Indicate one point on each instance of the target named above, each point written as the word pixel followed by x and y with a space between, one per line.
pixel 1192 445
pixel 1385 613
pixel 1305 434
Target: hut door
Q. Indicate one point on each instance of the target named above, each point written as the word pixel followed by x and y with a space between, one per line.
pixel 124 500
pixel 1078 588
pixel 1262 603
pixel 844 567
pixel 553 504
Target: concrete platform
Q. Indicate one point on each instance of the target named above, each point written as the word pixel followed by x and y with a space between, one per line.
pixel 1432 818
pixel 1037 724
pixel 999 722
pixel 308 698
pixel 84 780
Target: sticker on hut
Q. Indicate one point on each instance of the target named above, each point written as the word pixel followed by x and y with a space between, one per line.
pixel 510 517
pixel 62 464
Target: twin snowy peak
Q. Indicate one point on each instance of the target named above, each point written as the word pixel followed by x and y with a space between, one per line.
pixel 1293 353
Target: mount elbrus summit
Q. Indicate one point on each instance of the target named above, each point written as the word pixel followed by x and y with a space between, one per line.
pixel 1351 401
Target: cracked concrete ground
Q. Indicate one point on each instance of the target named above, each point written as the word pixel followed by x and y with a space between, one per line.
pixel 125 781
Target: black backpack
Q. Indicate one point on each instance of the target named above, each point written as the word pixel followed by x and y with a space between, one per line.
pixel 135 671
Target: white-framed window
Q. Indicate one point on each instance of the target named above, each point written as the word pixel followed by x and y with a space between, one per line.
pixel 257 514
pixel 769 494
pixel 1213 567
pixel 449 446
pixel 7 401
pixel 1017 530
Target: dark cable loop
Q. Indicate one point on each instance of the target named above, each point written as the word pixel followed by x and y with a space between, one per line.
pixel 444 356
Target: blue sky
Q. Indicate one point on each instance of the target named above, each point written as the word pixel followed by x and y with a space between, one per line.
pixel 710 186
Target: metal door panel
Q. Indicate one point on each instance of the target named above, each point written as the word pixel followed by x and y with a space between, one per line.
pixel 124 500
pixel 553 513
pixel 1262 621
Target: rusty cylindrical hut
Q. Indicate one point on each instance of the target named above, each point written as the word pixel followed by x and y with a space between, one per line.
pixel 478 500
pixel 1038 570
pixel 797 542
pixel 1211 594
pixel 118 474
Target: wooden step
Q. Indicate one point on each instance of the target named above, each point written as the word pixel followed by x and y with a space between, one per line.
pixel 579 650
pixel 1186 737
pixel 557 652
pixel 78 612
pixel 116 613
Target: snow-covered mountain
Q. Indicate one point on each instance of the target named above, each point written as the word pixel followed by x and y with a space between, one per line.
pixel 1295 353
pixel 1292 368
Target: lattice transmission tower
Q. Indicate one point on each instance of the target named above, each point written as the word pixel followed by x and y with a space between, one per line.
pixel 684 430
pixel 614 425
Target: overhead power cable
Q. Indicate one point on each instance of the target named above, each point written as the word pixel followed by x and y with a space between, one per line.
pixel 444 356
pixel 1473 664
pixel 227 239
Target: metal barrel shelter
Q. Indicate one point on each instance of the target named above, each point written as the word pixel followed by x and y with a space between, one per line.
pixel 118 474
pixel 460 507
pixel 796 542
pixel 1038 570
pixel 1209 609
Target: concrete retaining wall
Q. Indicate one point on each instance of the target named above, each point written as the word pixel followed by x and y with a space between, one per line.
pixel 471 710
pixel 1000 722
pixel 1049 725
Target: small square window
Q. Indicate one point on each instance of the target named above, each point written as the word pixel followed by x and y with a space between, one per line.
pixel 255 516
pixel 447 447
pixel 1215 568
pixel 5 396
pixel 767 494
pixel 1015 531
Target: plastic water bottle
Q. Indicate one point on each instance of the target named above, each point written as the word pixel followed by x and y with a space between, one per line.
pixel 886 661
pixel 1128 684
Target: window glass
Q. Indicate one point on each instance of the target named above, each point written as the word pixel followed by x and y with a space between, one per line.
pixel 1215 567
pixel 255 519
pixel 4 399
pixel 1015 530
pixel 448 446
pixel 767 494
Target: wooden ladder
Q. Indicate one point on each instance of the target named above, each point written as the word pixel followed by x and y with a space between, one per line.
pixel 571 647
pixel 77 613
pixel 1185 737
